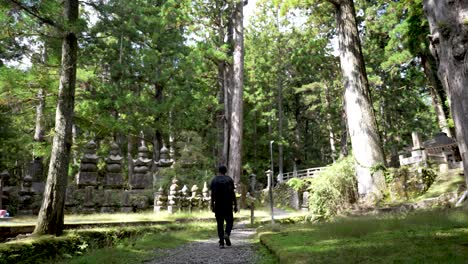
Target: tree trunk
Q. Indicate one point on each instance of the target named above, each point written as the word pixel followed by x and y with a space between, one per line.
pixel 435 89
pixel 235 142
pixel 280 100
pixel 344 135
pixel 221 117
pixel 228 90
pixel 331 135
pixel 362 126
pixel 449 45
pixel 50 220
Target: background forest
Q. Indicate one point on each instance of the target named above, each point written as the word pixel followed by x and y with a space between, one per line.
pixel 154 71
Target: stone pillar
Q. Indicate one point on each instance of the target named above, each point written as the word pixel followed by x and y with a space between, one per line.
pixel 417 142
pixel 89 206
pixel 141 178
pixel 108 206
pixel 88 174
pixel 164 162
pixel 126 203
pixel 206 199
pixel 195 199
pixel 160 201
pixel 4 175
pixel 418 152
pixel 173 199
pixel 184 199
pixel 305 201
pixel 70 201
pixel 26 199
pixel 113 178
pixel 253 181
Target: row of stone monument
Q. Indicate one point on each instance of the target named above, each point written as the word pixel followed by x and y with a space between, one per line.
pixel 141 178
pixel 89 193
pixel 175 199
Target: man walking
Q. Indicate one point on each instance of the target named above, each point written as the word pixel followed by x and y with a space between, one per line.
pixel 223 200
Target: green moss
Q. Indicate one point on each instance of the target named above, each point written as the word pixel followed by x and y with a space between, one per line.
pixel 94 243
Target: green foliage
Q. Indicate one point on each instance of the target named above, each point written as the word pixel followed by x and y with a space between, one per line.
pixel 333 189
pixel 296 183
pixel 428 176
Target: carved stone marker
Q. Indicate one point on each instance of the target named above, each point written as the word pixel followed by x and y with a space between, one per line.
pixel 173 199
pixel 160 200
pixel 206 199
pixel 195 199
pixel 305 201
pixel 142 178
pixel 4 175
pixel 126 204
pixel 165 160
pixel 87 176
pixel 26 198
pixel 89 206
pixel 108 206
pixel 184 199
pixel 113 178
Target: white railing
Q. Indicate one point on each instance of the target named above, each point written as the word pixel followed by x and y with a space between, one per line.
pixel 307 173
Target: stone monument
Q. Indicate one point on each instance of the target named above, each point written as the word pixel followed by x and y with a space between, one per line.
pixel 206 199
pixel 89 205
pixel 88 174
pixel 113 178
pixel 141 178
pixel 126 204
pixel 26 197
pixel 160 201
pixel 184 199
pixel 305 201
pixel 195 199
pixel 173 199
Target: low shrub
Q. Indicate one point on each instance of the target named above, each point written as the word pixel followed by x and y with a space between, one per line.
pixel 333 189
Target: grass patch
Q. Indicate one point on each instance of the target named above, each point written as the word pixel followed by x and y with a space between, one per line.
pixel 427 237
pixel 444 183
pixel 128 217
pixel 143 248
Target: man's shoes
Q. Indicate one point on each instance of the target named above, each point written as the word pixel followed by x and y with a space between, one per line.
pixel 221 245
pixel 228 240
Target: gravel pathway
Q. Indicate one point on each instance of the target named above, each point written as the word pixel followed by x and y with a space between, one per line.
pixel 207 251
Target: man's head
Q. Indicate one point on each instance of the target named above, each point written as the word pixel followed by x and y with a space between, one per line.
pixel 222 169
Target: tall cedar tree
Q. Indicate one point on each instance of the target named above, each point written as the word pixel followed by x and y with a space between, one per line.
pixel 362 125
pixel 449 45
pixel 51 214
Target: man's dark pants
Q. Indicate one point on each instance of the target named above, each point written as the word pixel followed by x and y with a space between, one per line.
pixel 222 216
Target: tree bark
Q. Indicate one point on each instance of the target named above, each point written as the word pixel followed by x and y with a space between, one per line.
pixel 331 134
pixel 362 125
pixel 280 102
pixel 235 142
pixel 39 131
pixel 344 135
pixel 435 89
pixel 449 45
pixel 50 219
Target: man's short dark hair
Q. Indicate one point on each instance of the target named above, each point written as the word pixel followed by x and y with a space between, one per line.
pixel 222 169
